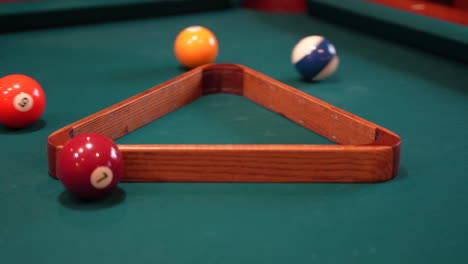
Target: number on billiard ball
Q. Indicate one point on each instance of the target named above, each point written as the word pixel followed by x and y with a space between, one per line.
pixel 90 165
pixel 101 177
pixel 24 102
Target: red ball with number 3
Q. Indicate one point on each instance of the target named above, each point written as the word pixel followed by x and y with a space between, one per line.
pixel 22 101
pixel 90 165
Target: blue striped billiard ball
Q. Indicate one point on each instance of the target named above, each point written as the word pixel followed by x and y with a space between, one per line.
pixel 315 58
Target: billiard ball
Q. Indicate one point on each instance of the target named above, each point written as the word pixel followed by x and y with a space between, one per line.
pixel 90 165
pixel 315 58
pixel 195 46
pixel 22 101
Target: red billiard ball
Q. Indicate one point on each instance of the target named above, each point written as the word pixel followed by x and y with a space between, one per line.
pixel 22 101
pixel 90 165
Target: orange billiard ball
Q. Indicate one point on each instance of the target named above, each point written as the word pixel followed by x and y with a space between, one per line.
pixel 22 100
pixel 195 46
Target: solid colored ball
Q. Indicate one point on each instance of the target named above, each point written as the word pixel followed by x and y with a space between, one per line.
pixel 22 101
pixel 315 58
pixel 195 46
pixel 90 165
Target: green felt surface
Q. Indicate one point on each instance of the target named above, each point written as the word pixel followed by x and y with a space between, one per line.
pixel 413 21
pixel 223 119
pixel 419 217
pixel 426 33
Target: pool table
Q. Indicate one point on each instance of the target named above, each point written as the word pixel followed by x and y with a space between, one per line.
pixel 420 216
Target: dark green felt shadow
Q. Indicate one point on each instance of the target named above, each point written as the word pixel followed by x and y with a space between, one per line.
pixel 70 201
pixel 38 125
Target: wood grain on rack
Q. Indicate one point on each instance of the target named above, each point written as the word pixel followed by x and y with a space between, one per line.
pixel 369 153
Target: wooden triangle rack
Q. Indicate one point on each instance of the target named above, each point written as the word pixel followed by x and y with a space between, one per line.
pixel 367 152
